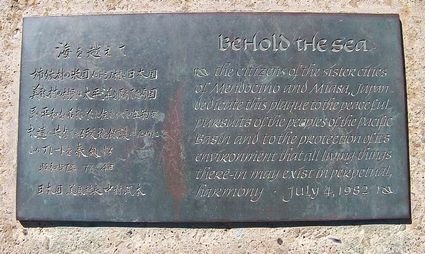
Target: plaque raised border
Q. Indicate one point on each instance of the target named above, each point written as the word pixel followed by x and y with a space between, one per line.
pixel 213 117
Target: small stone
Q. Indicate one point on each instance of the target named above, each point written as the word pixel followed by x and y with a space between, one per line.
pixel 46 243
pixel 335 240
pixel 279 241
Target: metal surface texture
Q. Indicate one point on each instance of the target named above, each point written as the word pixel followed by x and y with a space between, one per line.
pixel 220 117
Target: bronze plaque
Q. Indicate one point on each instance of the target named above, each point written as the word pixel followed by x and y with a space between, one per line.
pixel 232 117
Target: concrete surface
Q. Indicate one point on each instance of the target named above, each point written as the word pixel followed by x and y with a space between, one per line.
pixel 14 238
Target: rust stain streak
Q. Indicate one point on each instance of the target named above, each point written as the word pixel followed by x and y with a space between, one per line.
pixel 171 154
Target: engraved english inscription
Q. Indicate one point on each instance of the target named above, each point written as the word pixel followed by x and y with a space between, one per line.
pixel 205 117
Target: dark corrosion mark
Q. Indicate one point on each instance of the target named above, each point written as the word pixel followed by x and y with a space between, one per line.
pixel 171 154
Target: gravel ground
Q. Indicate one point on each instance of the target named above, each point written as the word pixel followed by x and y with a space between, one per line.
pixel 14 238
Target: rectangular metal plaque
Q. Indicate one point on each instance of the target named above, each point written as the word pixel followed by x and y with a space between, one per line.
pixel 232 117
